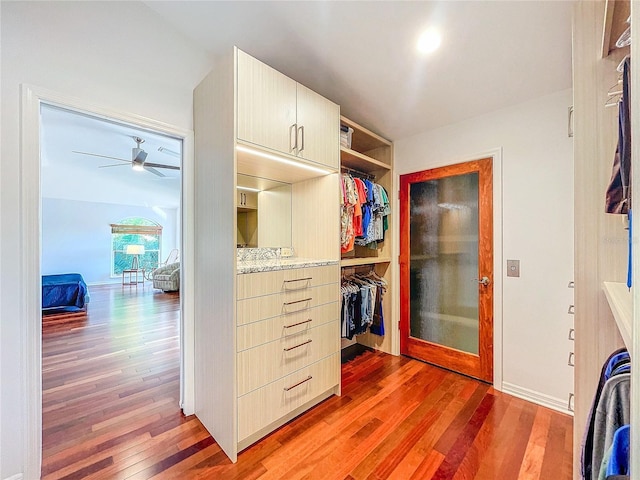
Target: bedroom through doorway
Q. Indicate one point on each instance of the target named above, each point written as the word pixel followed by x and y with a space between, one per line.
pixel 111 256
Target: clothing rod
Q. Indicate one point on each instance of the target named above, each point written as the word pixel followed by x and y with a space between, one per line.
pixel 358 173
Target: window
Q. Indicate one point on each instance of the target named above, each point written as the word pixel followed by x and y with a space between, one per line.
pixel 135 231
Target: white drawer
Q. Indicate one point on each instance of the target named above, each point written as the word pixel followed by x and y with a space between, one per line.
pixel 264 406
pixel 286 303
pixel 271 361
pixel 257 333
pixel 279 281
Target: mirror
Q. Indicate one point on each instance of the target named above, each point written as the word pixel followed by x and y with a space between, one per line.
pixel 264 212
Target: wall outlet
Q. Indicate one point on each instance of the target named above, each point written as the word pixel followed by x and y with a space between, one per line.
pixel 286 252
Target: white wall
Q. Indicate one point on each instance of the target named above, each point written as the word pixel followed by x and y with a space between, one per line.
pixel 76 236
pixel 537 193
pixel 117 55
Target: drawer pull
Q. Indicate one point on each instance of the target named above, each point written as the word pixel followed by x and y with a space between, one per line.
pixel 570 403
pixel 571 309
pixel 297 301
pixel 306 279
pixel 299 323
pixel 571 362
pixel 572 284
pixel 297 346
pixel 572 334
pixel 286 389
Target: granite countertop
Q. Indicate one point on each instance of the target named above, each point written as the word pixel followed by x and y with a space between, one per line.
pixel 271 264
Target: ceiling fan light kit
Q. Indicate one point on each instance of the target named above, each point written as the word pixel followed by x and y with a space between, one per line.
pixel 138 159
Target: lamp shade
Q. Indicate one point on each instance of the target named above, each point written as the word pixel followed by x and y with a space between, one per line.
pixel 135 250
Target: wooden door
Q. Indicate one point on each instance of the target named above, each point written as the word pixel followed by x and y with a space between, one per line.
pixel 266 105
pixel 318 128
pixel 446 267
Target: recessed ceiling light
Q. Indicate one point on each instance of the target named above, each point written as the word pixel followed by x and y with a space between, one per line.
pixel 429 41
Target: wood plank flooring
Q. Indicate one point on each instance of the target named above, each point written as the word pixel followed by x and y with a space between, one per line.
pixel 110 411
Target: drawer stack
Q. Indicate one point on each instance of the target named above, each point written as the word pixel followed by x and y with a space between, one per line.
pixel 288 342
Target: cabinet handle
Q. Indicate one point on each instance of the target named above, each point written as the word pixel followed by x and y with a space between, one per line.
pixel 293 133
pixel 571 309
pixel 570 402
pixel 306 279
pixel 286 389
pixel 299 323
pixel 300 129
pixel 297 301
pixel 297 346
pixel 570 362
pixel 572 284
pixel 572 334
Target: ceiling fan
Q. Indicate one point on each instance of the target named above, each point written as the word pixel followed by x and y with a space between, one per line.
pixel 137 162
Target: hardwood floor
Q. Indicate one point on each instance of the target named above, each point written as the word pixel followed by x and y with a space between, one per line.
pixel 110 411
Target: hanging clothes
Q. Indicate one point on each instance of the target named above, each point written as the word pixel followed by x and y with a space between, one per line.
pixel 595 443
pixel 362 305
pixel 364 213
pixel 618 195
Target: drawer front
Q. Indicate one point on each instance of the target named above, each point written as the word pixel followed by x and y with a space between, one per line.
pixel 261 407
pixel 257 333
pixel 281 281
pixel 285 304
pixel 261 365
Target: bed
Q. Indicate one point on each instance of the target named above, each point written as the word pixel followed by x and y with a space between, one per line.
pixel 65 292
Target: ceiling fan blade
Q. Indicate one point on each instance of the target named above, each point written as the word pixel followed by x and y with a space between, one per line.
pixel 113 165
pixel 160 165
pixel 102 156
pixel 154 171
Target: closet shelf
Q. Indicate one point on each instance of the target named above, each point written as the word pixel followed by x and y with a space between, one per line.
pixel 359 161
pixel 354 262
pixel 621 304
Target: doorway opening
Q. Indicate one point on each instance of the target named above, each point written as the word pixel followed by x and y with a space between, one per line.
pixel 33 99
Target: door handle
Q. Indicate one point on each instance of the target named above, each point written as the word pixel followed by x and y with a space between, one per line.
pixel 301 130
pixel 293 138
pixel 483 281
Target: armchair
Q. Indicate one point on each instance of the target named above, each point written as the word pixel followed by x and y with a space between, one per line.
pixel 167 278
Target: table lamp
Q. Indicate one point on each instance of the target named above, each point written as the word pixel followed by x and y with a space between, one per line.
pixel 135 250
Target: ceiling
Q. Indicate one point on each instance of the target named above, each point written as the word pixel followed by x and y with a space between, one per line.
pixel 361 54
pixel 75 176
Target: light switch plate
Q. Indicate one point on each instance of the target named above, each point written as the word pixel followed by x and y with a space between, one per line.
pixel 513 268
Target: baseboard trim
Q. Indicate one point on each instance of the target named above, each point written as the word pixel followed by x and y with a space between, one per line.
pixel 548 401
pixel 17 476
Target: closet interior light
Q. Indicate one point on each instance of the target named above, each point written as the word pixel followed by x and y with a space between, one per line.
pixel 248 189
pixel 293 163
pixel 429 41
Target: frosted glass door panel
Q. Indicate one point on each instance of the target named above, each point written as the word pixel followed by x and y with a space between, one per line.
pixel 444 262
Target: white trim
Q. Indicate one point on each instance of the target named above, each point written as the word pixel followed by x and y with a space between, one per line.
pixel 31 298
pixel 557 404
pixel 17 476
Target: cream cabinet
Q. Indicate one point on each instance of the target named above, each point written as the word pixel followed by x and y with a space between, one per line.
pixel 288 344
pixel 280 114
pixel 247 199
pixel 266 343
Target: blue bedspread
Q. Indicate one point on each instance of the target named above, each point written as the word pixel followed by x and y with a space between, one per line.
pixel 66 290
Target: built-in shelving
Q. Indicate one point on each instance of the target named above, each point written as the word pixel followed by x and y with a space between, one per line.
pixel 621 304
pixel 360 261
pixel 372 156
pixel 615 23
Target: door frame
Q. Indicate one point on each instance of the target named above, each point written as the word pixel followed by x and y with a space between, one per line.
pixel 30 230
pixel 478 365
pixel 498 254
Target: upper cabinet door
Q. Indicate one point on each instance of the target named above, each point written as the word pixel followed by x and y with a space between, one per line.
pixel 318 135
pixel 266 105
